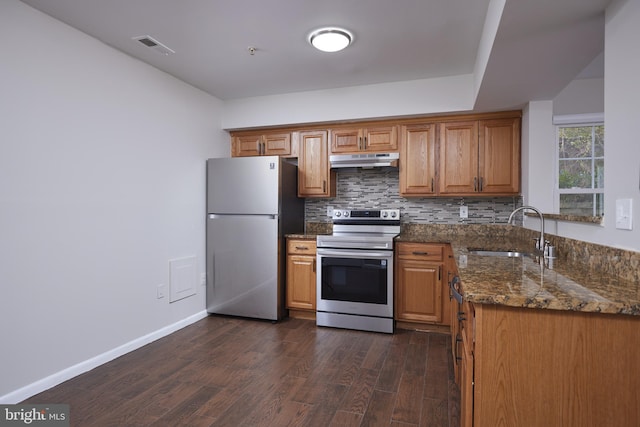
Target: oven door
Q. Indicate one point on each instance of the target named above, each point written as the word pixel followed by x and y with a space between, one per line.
pixel 353 281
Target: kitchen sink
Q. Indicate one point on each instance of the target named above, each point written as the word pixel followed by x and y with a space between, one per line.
pixel 510 254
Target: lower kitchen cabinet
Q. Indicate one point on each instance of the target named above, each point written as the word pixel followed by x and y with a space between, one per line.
pixel 535 367
pixel 418 282
pixel 301 275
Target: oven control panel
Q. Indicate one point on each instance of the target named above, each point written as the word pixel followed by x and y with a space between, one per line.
pixel 366 214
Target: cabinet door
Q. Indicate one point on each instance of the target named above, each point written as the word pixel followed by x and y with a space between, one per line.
pixel 346 140
pixel 419 291
pixel 418 160
pixel 301 282
pixel 314 177
pixel 372 139
pixel 380 139
pixel 466 385
pixel 499 156
pixel 246 145
pixel 277 144
pixel 459 158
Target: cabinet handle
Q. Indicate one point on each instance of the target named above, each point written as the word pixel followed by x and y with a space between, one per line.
pixel 264 148
pixel 475 183
pixel 481 183
pixel 314 265
pixel 324 186
pixel 258 147
pixel 359 143
pixel 432 184
pixel 420 253
pixel 302 248
pixel 458 341
pixel 439 272
pixel 365 142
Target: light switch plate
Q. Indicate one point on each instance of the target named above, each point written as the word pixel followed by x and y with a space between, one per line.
pixel 624 214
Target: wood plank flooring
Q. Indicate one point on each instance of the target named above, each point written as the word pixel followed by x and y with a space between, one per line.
pixel 224 371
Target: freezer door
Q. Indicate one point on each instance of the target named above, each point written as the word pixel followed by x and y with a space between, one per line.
pixel 243 185
pixel 242 266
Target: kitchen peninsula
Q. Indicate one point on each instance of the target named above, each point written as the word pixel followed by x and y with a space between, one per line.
pixel 540 346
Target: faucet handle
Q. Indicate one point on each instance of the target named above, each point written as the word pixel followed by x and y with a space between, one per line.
pixel 538 244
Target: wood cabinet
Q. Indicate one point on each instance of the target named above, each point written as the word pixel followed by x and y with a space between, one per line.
pixel 301 275
pixel 466 362
pixel 315 179
pixel 263 144
pixel 418 282
pixel 537 367
pixel 479 157
pixel 372 139
pixel 466 155
pixel 418 160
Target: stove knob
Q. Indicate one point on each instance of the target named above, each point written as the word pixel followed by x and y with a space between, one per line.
pixel 346 214
pixel 337 214
pixel 393 214
pixel 384 214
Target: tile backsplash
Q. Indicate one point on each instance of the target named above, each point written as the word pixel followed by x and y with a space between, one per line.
pixel 378 188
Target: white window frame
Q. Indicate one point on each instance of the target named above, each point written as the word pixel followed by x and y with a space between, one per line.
pixel 577 120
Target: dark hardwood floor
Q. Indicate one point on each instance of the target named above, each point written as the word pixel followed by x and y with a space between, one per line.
pixel 224 371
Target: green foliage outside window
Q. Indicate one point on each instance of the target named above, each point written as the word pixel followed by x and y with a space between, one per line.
pixel 581 170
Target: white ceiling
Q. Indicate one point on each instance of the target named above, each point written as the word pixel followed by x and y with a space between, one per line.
pixel 541 45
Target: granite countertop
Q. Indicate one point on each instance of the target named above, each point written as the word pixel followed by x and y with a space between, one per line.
pixel 302 236
pixel 530 281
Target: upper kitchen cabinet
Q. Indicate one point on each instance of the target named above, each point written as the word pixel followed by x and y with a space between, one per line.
pixel 262 144
pixel 315 179
pixel 499 157
pixel 373 139
pixel 418 160
pixel 480 157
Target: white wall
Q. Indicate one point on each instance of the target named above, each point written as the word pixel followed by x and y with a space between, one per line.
pixel 102 181
pixel 581 96
pixel 617 95
pixel 416 97
pixel 622 110
pixel 537 168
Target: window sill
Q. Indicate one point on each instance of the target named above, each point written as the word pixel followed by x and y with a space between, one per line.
pixel 571 218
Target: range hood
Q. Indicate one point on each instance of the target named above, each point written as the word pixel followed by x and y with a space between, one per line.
pixel 369 160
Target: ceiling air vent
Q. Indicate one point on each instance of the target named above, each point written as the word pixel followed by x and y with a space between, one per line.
pixel 154 44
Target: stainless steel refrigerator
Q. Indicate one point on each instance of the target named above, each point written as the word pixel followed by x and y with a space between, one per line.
pixel 252 203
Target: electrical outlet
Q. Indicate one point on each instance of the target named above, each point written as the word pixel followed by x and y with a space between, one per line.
pixel 330 211
pixel 464 211
pixel 160 291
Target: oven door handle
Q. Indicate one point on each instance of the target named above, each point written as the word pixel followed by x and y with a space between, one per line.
pixel 354 254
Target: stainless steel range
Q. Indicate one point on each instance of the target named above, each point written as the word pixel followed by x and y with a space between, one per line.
pixel 355 270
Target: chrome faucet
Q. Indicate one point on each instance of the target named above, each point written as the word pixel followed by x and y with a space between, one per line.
pixel 539 243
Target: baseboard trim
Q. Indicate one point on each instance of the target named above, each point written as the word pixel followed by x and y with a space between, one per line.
pixel 84 366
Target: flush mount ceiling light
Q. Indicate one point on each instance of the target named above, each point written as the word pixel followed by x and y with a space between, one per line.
pixel 330 39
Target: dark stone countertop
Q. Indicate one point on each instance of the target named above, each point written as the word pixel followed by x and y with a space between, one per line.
pixel 529 281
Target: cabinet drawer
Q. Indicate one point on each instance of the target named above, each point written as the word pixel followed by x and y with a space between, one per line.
pixel 420 251
pixel 302 247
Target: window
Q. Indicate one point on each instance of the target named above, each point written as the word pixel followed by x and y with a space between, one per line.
pixel 581 168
